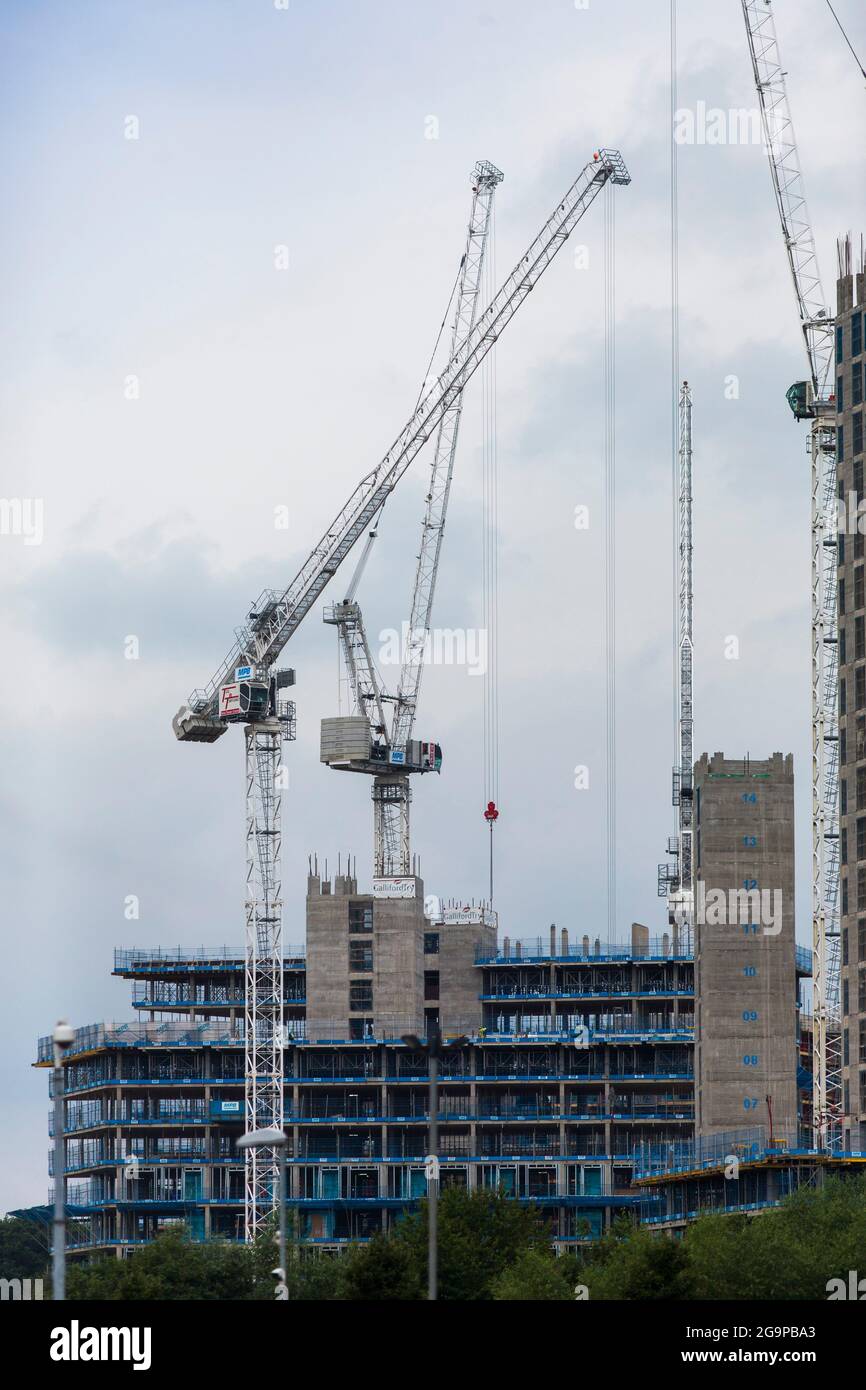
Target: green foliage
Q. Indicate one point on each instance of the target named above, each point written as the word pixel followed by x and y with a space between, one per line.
pixel 632 1263
pixel 481 1234
pixel 789 1252
pixel 311 1276
pixel 23 1248
pixel 535 1275
pixel 386 1269
pixel 493 1248
pixel 174 1268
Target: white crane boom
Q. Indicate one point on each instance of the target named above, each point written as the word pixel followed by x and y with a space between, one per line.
pixel 486 179
pixel 346 615
pixel 817 327
pixel 276 616
pixel 391 790
pixel 788 187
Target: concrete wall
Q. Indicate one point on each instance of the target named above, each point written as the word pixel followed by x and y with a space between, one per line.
pixel 397 974
pixel 460 979
pixel 745 971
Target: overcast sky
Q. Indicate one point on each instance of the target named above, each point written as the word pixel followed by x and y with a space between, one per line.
pixel 154 258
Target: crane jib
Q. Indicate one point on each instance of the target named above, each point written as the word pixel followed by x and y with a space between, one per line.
pixel 268 636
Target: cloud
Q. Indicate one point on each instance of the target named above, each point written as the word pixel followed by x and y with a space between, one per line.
pixel 259 389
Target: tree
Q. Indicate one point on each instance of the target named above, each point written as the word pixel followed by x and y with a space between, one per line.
pixel 177 1268
pixel 634 1264
pixel 534 1275
pixel 480 1235
pixel 493 1248
pixel 310 1276
pixel 24 1245
pixel 788 1252
pixel 791 1252
pixel 172 1267
pixel 386 1269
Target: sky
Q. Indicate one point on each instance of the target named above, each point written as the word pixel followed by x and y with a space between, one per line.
pixel 168 389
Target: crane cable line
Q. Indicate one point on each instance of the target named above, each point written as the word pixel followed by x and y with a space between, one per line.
pixel 609 394
pixel 426 381
pixel 490 571
pixel 846 38
pixel 675 375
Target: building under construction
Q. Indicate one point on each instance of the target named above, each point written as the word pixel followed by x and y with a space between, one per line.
pixel 578 1059
pixel 586 1076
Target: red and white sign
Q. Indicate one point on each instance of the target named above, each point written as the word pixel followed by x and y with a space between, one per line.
pixel 230 700
pixel 468 916
pixel 393 887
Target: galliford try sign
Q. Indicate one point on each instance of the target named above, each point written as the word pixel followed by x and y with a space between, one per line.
pixel 467 916
pixel 393 887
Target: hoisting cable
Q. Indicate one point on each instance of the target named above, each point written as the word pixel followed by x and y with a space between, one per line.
pixel 489 637
pixel 425 380
pixel 609 394
pixel 675 380
pixel 846 38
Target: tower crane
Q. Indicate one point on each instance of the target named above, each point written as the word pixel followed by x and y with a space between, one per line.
pixel 392 754
pixel 247 688
pixel 811 400
pixel 676 879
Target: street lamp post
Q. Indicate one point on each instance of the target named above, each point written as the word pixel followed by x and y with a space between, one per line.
pixel 63 1039
pixel 433 1183
pixel 274 1139
pixel 435 1049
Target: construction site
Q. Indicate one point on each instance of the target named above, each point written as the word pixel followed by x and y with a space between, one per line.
pixel 593 1069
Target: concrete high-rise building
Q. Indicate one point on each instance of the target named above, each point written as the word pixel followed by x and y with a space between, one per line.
pixel 576 1055
pixel 366 959
pixel 574 1069
pixel 379 966
pixel 850 390
pixel 745 979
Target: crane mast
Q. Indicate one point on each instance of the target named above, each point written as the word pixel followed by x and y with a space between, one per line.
pixel 676 881
pixel 685 714
pixel 812 400
pixel 246 688
pixel 486 178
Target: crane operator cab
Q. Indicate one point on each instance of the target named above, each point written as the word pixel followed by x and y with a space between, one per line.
pixel 250 698
pixel 422 756
pixel 801 398
pixel 798 398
